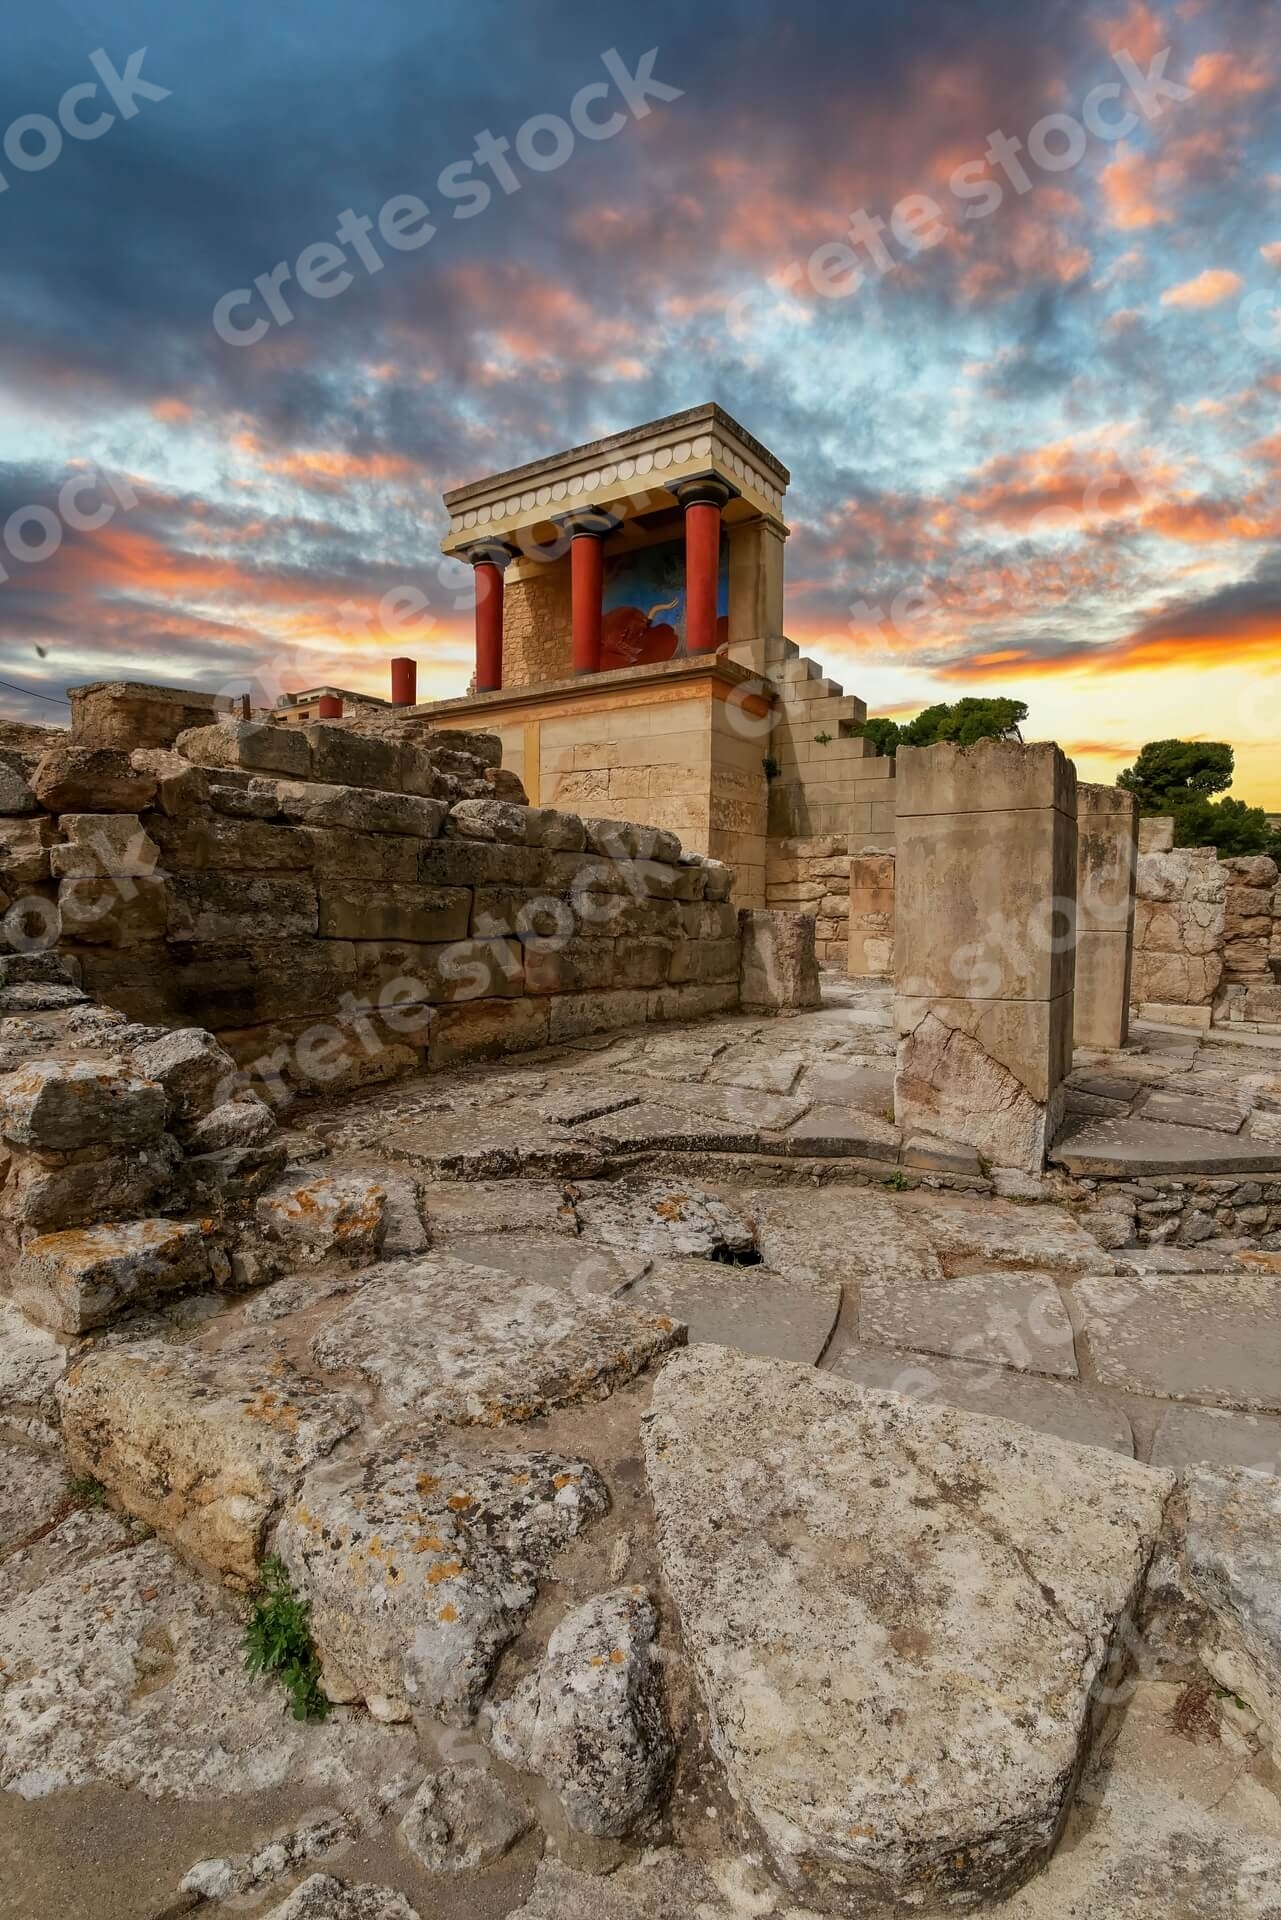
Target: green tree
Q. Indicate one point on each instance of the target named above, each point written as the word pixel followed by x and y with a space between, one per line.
pixel 1168 773
pixel 963 721
pixel 1228 825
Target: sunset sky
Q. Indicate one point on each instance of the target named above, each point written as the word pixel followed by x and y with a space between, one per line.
pixel 1051 437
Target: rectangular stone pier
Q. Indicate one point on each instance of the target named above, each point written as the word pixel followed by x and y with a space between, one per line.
pixel 984 944
pixel 1107 822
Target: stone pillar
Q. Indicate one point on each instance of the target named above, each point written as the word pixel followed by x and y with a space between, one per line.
pixel 404 678
pixel 1107 822
pixel 985 902
pixel 489 558
pixel 704 498
pixel 871 929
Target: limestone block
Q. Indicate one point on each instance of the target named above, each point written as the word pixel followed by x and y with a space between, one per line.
pixel 359 809
pixel 241 906
pixel 624 840
pixel 340 1215
pixel 213 843
pixel 181 789
pixel 421 777
pixel 1231 1558
pixel 204 1448
pixel 995 776
pixel 58 1106
pixel 15 786
pixel 365 910
pixel 592 1720
pixel 197 1074
pixel 103 843
pixel 479 1029
pixel 45 1193
pixel 585 964
pixel 341 757
pixel 71 1282
pixel 481 863
pixel 113 912
pixel 244 1122
pixel 463 1819
pixel 1253 870
pixel 24 852
pixel 388 859
pixel 778 965
pixel 420 1568
pixel 125 714
pixel 252 746
pixel 970 1667
pixel 1156 833
pixel 987 1072
pixel 91 780
pixel 31 1364
pixel 572 1015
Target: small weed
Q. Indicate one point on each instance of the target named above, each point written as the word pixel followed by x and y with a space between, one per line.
pixel 823 739
pixel 87 1492
pixel 898 1180
pixel 278 1640
pixel 770 767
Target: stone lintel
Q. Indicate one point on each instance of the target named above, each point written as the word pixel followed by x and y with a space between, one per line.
pixel 629 473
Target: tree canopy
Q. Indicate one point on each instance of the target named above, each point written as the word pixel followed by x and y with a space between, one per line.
pixel 1177 777
pixel 963 721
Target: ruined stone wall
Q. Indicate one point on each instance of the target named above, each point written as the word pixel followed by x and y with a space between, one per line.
pixel 871 922
pixel 1250 995
pixel 1179 919
pixel 339 907
pixel 813 876
pixel 536 622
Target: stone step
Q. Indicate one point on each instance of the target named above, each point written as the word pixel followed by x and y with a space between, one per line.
pixel 1119 1148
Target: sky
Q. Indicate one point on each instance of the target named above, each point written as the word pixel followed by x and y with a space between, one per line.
pixel 999 283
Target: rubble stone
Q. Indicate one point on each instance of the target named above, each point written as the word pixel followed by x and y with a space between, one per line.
pixel 60 1105
pixel 592 1721
pixel 343 1214
pixel 91 780
pixel 419 1568
pixel 462 1820
pixel 75 1281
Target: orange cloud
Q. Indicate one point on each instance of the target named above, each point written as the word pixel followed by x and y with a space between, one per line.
pixel 1209 289
pixel 1130 187
pixel 1226 75
pixel 1271 251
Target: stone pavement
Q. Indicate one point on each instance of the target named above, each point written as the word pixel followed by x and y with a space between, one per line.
pixel 692 1484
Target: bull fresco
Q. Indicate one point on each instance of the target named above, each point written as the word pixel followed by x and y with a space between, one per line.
pixel 644 605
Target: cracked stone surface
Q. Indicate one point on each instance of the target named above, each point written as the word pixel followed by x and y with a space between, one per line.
pixel 1001 1234
pixel 33 1485
pixel 592 1720
pixel 1214 1337
pixel 1232 1556
pixel 1010 1319
pixel 877 1595
pixel 419 1569
pixel 344 1214
pixel 441 1339
pixel 662 1219
pixel 203 1448
pixel 1063 1412
pixel 782 1317
pixel 130 1670
pixel 31 1364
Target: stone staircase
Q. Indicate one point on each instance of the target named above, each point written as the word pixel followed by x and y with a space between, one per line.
pixel 829 779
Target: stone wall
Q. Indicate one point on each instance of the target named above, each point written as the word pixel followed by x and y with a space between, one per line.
pixel 536 621
pixel 871 922
pixel 339 907
pixel 1179 923
pixel 1250 995
pixel 813 876
pixel 1107 819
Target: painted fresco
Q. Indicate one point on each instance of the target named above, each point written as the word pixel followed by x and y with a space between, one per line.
pixel 644 605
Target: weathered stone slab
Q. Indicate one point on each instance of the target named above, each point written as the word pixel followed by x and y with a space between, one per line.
pixel 657 1127
pixel 103 843
pixel 1190 1436
pixel 747 1308
pixel 441 1339
pixel 74 1281
pixel 59 1106
pixel 357 809
pixel 1214 1337
pixel 203 1448
pixel 220 906
pixel 250 745
pixel 1002 1235
pixel 1232 1561
pixel 420 1569
pixel 463 1819
pixel 480 1146
pixel 31 1364
pixel 663 1219
pixel 129 1671
pixel 833 1132
pixel 1130 1149
pixel 1062 1412
pixel 1008 1319
pixel 499 1206
pixel 592 1721
pixel 968 1592
pixel 33 1486
pixel 324 1898
pixel 196 1072
pixel 579 1266
pixel 92 1186
pixel 1186 1110
pixel 851 1236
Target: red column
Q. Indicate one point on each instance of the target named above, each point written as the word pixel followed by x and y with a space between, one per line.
pixel 703 501
pixel 489 562
pixel 587 576
pixel 404 682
